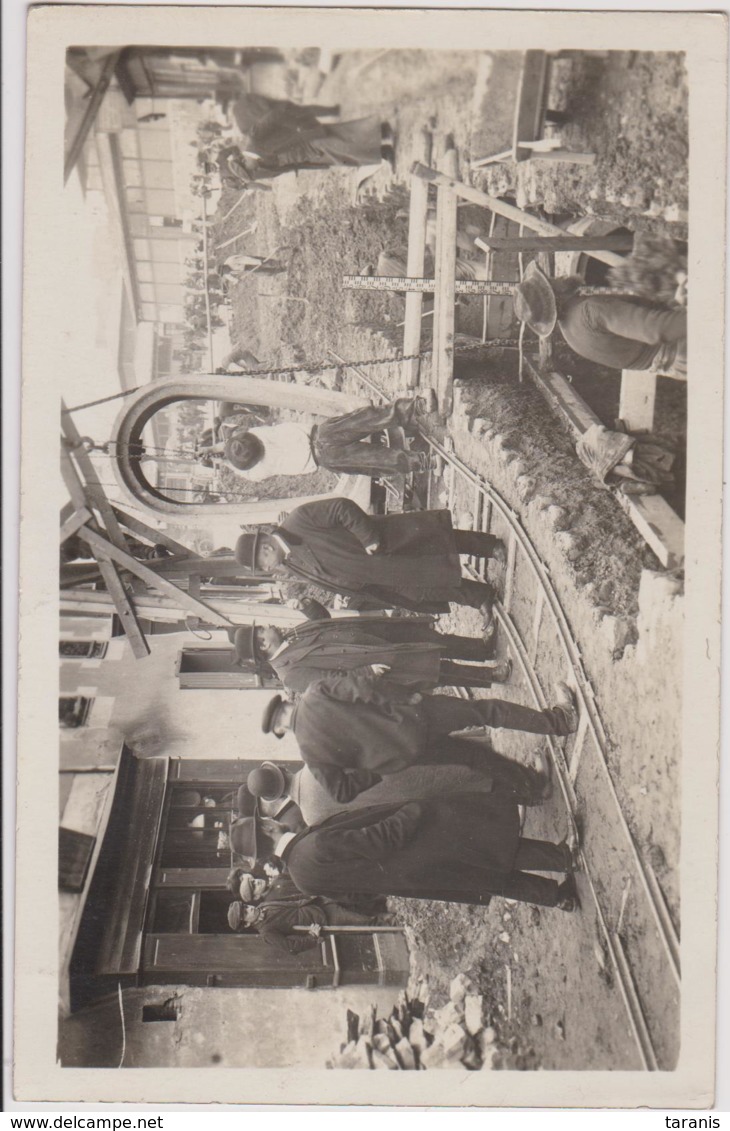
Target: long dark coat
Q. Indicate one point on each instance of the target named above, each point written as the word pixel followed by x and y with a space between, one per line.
pixel 457 848
pixel 417 565
pixel 353 729
pixel 338 646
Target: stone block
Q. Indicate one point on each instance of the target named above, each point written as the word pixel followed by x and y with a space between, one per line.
pixel 617 633
pixel 557 517
pixel 526 487
pixel 459 988
pixel 473 1013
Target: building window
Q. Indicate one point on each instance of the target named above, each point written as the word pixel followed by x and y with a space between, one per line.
pixel 196 829
pixel 73 711
pixel 82 649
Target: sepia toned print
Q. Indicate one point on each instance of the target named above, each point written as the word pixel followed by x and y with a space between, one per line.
pixel 376 599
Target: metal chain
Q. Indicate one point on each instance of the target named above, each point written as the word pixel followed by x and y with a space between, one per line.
pixel 316 367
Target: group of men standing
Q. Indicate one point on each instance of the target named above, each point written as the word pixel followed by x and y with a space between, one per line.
pixel 362 702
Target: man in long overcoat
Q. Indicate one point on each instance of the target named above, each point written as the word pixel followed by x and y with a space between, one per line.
pixel 355 729
pixel 462 848
pixel 409 560
pixel 412 653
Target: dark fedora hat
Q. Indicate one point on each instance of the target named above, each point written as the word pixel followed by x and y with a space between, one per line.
pixel 246 548
pixel 245 802
pixel 267 781
pixel 268 719
pixel 244 836
pixel 244 644
pixel 534 302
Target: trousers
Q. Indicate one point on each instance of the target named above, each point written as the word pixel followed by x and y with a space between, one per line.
pixel 338 442
pixel 521 884
pixel 446 714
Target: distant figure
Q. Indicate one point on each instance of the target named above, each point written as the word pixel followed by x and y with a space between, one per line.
pixel 236 266
pixel 251 109
pixel 287 137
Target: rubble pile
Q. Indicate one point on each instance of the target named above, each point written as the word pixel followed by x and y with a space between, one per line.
pixel 416 1036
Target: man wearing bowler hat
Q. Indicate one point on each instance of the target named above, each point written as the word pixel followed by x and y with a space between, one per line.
pixel 620 331
pixel 412 653
pixel 355 729
pixel 268 787
pixel 459 848
pixel 407 560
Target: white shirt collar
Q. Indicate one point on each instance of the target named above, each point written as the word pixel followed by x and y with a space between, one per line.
pixel 284 644
pixel 285 547
pixel 282 842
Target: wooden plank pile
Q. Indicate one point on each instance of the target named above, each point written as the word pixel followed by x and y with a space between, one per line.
pixel 415 1037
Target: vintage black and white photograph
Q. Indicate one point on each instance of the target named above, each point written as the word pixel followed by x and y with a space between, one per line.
pixel 377 440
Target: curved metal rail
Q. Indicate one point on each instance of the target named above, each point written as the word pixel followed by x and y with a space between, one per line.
pixel 590 734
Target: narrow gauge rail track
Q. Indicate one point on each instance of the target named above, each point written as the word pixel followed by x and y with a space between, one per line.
pixel 638 895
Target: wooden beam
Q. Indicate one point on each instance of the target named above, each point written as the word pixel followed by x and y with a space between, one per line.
pixel 71 525
pixel 125 609
pixel 92 109
pixel 612 241
pixel 101 546
pixel 444 318
pixel 659 525
pixel 519 215
pixel 89 602
pixel 142 530
pixel 415 264
pixel 637 400
pixel 93 489
pixel 73 483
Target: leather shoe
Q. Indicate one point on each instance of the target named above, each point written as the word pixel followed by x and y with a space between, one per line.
pixel 545 770
pixel 426 402
pixel 567 702
pixel 499 554
pixel 489 626
pixel 500 673
pixel 571 848
pixel 568 896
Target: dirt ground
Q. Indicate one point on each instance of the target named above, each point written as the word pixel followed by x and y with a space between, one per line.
pixel 545 973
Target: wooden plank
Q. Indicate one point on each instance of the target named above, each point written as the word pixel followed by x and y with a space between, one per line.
pixel 417 219
pixel 531 102
pixel 142 530
pixel 565 155
pixel 444 299
pixel 637 400
pixel 71 525
pixel 505 155
pixel 154 580
pixel 510 211
pixel 660 526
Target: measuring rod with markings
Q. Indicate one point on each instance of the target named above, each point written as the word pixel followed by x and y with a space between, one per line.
pixel 462 286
